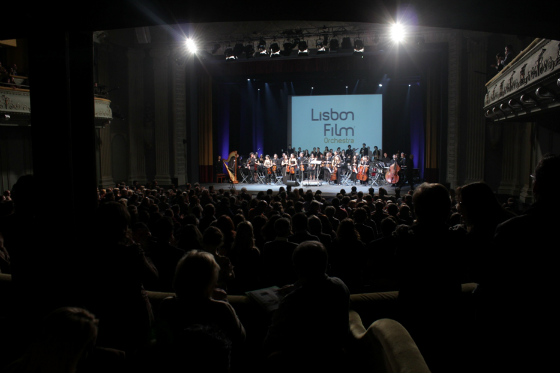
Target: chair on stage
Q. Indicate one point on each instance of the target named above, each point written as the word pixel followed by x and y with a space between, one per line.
pixel 261 177
pixel 279 179
pixel 220 178
pixel 346 178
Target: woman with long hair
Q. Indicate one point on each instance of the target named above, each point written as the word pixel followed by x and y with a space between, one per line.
pixel 245 257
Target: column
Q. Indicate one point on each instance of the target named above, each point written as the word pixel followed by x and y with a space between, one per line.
pixel 179 110
pixel 161 116
pixel 137 155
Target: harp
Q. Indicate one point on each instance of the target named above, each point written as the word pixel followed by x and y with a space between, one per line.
pixel 231 166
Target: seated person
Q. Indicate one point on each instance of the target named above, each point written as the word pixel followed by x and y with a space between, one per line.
pixel 311 324
pixel 195 284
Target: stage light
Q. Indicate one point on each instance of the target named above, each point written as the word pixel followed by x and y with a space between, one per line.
pixel 191 45
pixel 358 46
pixel 321 47
pixel 397 32
pixel 302 48
pixel 274 50
pixel 381 85
pixel 261 48
pixel 229 54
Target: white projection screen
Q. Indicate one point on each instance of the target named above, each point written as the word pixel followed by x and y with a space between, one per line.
pixel 335 121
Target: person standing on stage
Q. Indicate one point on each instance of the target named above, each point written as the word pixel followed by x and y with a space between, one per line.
pixel 267 169
pixel 354 168
pixel 364 150
pixel 277 165
pixel 337 167
pixel 327 168
pixel 284 164
pixel 292 164
pixel 252 163
pixel 407 172
pixel 349 153
pixel 376 153
pixel 302 165
pixel 311 167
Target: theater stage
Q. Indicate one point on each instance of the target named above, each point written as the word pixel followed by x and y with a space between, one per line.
pixel 327 190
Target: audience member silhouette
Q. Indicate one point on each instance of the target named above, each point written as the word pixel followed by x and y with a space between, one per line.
pixel 310 328
pixel 481 212
pixel 195 286
pixel 277 268
pixel 516 333
pixel 66 344
pixel 428 275
pixel 348 256
pixel 115 273
pixel 212 241
pixel 245 258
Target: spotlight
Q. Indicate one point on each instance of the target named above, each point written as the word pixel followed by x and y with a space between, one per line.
pixel 261 48
pixel 397 32
pixel 229 54
pixel 191 45
pixel 302 48
pixel 333 45
pixel 249 50
pixel 321 47
pixel 274 50
pixel 381 85
pixel 358 46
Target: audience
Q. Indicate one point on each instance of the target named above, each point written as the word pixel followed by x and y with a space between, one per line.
pixel 318 249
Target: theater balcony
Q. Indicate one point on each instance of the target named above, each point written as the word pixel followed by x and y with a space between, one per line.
pixel 15 105
pixel 527 86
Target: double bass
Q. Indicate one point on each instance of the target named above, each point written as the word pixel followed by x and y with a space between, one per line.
pixel 392 176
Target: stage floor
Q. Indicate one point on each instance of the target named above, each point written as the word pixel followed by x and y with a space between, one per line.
pixel 327 190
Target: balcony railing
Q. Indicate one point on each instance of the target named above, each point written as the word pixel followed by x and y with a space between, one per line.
pixel 15 105
pixel 528 85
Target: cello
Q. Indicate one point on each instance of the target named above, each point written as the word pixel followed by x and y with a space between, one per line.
pixel 392 176
pixel 362 172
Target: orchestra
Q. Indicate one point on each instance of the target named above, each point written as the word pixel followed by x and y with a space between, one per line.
pixel 340 167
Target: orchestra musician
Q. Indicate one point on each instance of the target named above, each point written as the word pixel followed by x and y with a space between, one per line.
pixel 328 167
pixel 292 166
pixel 267 167
pixel 252 166
pixel 354 165
pixel 364 150
pixel 337 163
pixel 364 164
pixel 312 167
pixel 285 162
pixel 276 165
pixel 376 153
pixel 302 165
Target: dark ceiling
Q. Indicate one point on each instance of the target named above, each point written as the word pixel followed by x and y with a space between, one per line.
pixel 514 17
